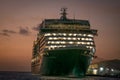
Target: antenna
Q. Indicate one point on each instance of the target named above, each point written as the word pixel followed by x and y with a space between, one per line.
pixel 63 13
pixel 74 16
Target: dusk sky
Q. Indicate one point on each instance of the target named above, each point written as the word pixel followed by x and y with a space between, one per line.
pixel 19 18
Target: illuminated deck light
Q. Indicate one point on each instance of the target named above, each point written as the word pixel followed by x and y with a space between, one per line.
pixel 50 38
pixel 84 34
pixel 87 39
pixel 54 34
pixel 74 34
pixel 47 34
pixel 69 38
pixel 83 38
pixel 64 34
pixel 57 42
pixel 91 43
pixel 70 42
pixel 55 38
pixel 88 43
pixel 52 42
pixel 78 38
pixel 70 34
pixel 90 35
pixel 64 38
pixel 90 39
pixel 63 42
pixel 101 68
pixel 78 42
pixel 80 34
pixel 74 38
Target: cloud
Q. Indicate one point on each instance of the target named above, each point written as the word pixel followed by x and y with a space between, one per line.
pixel 9 31
pixel 24 31
pixel 5 34
pixel 36 28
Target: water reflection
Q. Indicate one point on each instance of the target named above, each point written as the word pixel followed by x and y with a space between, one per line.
pixel 29 76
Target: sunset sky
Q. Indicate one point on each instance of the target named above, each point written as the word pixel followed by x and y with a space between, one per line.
pixel 19 18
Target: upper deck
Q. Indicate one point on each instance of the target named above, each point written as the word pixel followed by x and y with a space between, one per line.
pixel 66 25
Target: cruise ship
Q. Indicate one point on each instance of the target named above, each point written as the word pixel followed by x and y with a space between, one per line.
pixel 64 47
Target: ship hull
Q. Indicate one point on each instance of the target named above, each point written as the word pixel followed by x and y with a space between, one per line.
pixel 65 62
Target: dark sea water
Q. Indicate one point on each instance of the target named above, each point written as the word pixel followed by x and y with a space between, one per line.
pixel 28 76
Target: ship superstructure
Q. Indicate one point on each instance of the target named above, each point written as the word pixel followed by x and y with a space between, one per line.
pixel 63 47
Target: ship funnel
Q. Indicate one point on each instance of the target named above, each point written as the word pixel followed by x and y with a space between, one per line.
pixel 63 17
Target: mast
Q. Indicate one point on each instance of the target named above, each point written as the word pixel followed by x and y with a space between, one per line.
pixel 63 17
